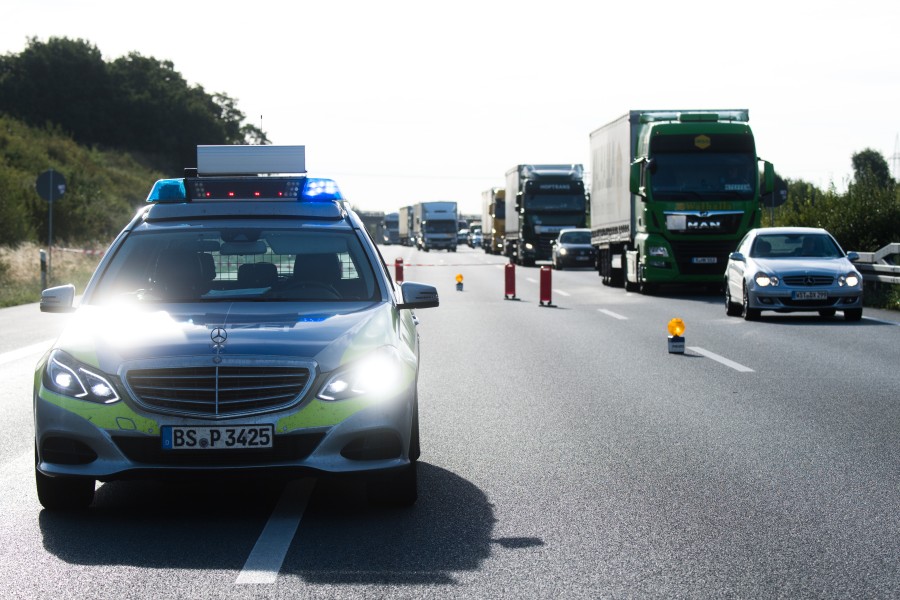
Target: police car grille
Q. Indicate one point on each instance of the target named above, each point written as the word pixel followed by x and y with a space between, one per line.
pixel 218 390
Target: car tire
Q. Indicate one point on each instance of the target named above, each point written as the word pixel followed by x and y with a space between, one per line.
pixel 732 309
pixel 749 314
pixel 827 312
pixel 397 488
pixel 853 314
pixel 64 493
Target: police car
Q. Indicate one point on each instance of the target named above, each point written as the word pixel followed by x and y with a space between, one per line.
pixel 243 322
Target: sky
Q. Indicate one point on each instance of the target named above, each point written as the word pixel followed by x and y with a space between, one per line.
pixel 404 102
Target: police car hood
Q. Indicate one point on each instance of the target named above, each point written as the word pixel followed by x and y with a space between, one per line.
pixel 107 336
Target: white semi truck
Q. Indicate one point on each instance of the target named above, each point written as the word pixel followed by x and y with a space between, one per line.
pixel 435 225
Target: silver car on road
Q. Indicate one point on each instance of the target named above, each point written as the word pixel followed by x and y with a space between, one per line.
pixel 792 269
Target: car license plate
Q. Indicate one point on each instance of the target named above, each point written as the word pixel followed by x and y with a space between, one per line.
pixel 704 260
pixel 232 437
pixel 582 258
pixel 810 295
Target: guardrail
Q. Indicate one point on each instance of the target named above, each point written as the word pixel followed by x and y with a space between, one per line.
pixel 874 266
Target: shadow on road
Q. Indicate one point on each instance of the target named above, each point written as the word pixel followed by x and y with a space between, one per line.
pixel 341 539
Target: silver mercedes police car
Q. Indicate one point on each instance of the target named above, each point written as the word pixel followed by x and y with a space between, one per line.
pixel 243 322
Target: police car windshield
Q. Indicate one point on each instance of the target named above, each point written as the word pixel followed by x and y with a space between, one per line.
pixel 238 264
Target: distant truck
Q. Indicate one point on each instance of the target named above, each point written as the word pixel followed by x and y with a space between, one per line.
pixel 391 228
pixel 493 222
pixel 672 193
pixel 405 226
pixel 435 225
pixel 540 201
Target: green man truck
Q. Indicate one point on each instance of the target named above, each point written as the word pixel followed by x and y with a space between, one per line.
pixel 540 201
pixel 672 193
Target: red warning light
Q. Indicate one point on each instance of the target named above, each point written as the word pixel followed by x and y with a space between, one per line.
pixel 231 194
pixel 256 194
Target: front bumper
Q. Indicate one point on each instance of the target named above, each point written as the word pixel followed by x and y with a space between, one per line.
pixel 782 299
pixel 370 438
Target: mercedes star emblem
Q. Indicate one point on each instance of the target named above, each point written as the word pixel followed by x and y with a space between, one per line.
pixel 218 336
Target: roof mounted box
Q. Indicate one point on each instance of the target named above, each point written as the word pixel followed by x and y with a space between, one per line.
pixel 250 160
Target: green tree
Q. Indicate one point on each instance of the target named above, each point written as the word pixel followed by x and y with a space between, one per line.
pixel 60 81
pixel 870 167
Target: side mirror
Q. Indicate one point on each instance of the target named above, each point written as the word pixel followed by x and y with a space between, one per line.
pixel 737 256
pixel 853 256
pixel 58 299
pixel 418 295
pixel 636 178
pixel 768 182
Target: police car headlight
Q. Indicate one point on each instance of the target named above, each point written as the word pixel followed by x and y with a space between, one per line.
pixel 69 377
pixel 377 374
pixel 765 280
pixel 850 280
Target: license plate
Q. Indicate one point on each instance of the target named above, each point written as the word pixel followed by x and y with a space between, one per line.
pixel 810 295
pixel 704 260
pixel 582 258
pixel 232 437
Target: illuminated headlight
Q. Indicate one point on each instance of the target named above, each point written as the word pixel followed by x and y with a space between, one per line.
pixel 529 246
pixel 65 375
pixel 379 373
pixel 658 251
pixel 850 280
pixel 563 251
pixel 764 280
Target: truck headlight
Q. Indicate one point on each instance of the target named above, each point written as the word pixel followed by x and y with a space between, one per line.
pixel 658 251
pixel 66 376
pixel 849 280
pixel 378 373
pixel 529 246
pixel 765 280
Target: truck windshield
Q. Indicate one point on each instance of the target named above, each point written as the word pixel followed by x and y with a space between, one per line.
pixel 564 201
pixel 440 226
pixel 716 167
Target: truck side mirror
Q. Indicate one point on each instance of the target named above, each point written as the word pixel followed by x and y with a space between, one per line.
pixel 768 182
pixel 637 177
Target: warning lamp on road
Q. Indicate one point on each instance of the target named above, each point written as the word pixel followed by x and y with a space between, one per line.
pixel 459 282
pixel 676 341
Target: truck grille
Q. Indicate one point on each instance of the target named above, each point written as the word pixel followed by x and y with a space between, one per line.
pixel 686 252
pixel 217 391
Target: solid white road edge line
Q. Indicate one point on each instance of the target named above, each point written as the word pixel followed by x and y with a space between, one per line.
pixel 12 355
pixel 268 554
pixel 721 359
pixel 612 314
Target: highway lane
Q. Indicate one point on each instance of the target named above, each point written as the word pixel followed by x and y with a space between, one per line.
pixel 565 453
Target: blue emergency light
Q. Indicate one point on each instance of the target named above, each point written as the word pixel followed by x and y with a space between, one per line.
pixel 312 189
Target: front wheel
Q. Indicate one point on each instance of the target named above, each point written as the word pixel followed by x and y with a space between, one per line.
pixel 853 314
pixel 732 309
pixel 64 493
pixel 749 314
